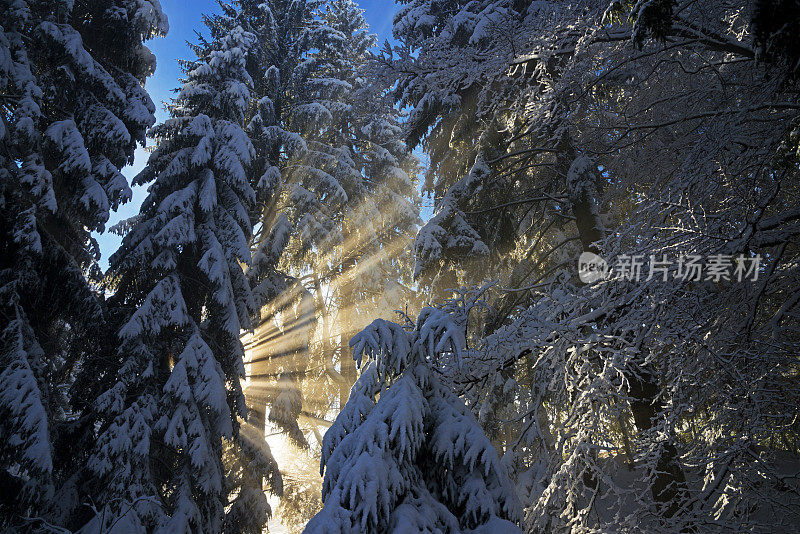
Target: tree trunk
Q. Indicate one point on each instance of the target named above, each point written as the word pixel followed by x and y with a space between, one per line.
pixel 346 330
pixel 257 417
pixel 669 488
pixel 669 485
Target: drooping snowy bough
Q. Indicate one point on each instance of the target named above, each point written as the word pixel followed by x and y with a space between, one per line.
pixel 173 416
pixel 662 402
pixel 73 109
pixel 405 454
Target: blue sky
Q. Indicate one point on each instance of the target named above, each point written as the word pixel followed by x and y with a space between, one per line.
pixel 184 19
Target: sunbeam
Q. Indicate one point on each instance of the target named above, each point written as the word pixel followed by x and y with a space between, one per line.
pixel 298 369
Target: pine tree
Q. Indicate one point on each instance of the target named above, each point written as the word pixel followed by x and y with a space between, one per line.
pixel 352 138
pixel 405 454
pixel 73 111
pixel 175 407
pixel 467 90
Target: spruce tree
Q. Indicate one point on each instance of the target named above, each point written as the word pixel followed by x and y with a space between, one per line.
pixel 73 111
pixel 405 454
pixel 380 216
pixel 175 407
pixel 300 174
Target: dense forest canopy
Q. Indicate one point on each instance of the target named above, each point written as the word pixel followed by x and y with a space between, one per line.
pixel 594 329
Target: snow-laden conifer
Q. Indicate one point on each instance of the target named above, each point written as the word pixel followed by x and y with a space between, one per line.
pixel 405 454
pixel 615 399
pixel 73 110
pixel 175 407
pixel 377 171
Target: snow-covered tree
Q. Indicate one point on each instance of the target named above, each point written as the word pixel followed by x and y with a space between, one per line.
pixel 302 178
pixel 563 127
pixel 293 173
pixel 73 110
pixel 405 454
pixel 380 217
pixel 332 183
pixel 176 404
